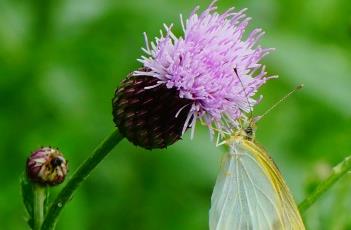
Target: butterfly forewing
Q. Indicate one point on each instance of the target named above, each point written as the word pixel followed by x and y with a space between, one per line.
pixel 250 193
pixel 290 212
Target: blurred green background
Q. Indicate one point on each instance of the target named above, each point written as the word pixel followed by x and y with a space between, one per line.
pixel 60 62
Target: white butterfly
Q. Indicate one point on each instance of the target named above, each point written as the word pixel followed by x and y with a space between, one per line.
pixel 250 192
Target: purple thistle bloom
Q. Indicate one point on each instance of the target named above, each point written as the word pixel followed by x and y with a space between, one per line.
pixel 212 65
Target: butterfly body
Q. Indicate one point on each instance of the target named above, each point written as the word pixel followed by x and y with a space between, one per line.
pixel 250 192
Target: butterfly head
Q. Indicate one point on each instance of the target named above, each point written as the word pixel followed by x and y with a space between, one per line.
pixel 248 129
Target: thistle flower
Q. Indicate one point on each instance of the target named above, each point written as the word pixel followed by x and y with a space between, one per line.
pixel 212 67
pixel 47 166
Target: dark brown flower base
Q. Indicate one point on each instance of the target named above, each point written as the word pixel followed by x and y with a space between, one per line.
pixel 146 117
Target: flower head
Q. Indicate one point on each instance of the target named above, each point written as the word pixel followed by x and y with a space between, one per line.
pixel 47 166
pixel 212 66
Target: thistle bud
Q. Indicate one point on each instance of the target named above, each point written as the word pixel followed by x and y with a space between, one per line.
pixel 47 166
pixel 150 117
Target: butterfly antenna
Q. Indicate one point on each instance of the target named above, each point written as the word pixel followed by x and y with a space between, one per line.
pixel 242 85
pixel 278 102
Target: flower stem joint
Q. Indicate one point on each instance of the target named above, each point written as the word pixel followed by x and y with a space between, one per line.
pixel 47 166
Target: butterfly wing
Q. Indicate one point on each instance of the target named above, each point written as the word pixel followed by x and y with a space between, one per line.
pixel 250 193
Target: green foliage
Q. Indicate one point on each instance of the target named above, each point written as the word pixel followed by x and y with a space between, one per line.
pixel 27 192
pixel 60 62
pixel 27 196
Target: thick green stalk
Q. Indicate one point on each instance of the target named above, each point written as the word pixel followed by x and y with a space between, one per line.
pixel 338 171
pixel 39 194
pixel 79 175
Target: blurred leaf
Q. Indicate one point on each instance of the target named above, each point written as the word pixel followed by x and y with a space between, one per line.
pixel 324 69
pixel 46 201
pixel 27 196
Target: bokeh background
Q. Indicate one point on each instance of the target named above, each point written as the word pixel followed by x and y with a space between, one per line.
pixel 60 62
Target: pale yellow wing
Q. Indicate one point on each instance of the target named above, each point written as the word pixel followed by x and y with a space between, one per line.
pixel 290 213
pixel 250 193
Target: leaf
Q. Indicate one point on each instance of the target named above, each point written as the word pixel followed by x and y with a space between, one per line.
pixel 27 197
pixel 46 201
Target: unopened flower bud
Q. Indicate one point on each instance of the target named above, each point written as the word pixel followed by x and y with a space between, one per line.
pixel 147 114
pixel 47 166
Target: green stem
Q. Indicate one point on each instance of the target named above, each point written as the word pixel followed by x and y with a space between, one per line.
pixel 39 194
pixel 79 175
pixel 338 171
